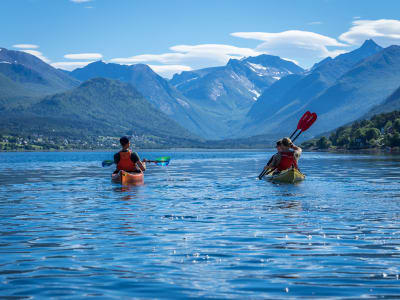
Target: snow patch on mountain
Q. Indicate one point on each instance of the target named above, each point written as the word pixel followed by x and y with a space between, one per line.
pixel 186 81
pixel 217 90
pixel 257 67
pixel 256 93
pixel 183 103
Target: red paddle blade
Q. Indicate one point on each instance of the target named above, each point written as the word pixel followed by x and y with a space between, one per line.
pixel 309 121
pixel 306 116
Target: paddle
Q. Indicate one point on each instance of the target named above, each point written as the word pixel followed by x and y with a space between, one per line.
pixel 304 123
pixel 307 124
pixel 306 115
pixel 161 161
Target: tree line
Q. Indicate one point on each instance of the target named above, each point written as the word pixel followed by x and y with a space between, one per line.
pixel 381 131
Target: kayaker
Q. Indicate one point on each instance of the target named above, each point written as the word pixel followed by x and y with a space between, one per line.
pixel 287 157
pixel 127 160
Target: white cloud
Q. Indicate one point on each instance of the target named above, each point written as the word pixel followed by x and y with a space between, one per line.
pixel 303 46
pixel 314 23
pixel 169 70
pixel 384 31
pixel 80 1
pixel 26 46
pixel 200 56
pixel 90 56
pixel 38 55
pixel 70 65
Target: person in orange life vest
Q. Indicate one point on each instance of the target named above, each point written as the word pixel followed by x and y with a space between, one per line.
pixel 127 160
pixel 274 157
pixel 287 157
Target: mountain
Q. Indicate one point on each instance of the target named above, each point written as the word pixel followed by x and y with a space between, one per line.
pixel 296 95
pixel 390 104
pixel 154 88
pixel 98 107
pixel 245 78
pixel 270 100
pixel 23 75
pixel 189 98
pixel 226 93
pixel 368 84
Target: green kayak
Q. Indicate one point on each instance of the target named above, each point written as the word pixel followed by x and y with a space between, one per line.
pixel 287 176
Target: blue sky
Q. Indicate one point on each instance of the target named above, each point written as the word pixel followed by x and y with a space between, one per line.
pixel 172 35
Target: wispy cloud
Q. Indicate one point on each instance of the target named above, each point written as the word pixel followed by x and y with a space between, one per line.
pixel 197 56
pixel 91 56
pixel 70 65
pixel 169 70
pixel 384 31
pixel 38 55
pixel 301 47
pixel 80 1
pixel 315 23
pixel 25 46
pixel 295 44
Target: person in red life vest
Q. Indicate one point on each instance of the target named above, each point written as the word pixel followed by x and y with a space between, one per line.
pixel 287 157
pixel 127 160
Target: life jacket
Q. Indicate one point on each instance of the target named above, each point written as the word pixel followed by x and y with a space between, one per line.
pixel 125 163
pixel 287 161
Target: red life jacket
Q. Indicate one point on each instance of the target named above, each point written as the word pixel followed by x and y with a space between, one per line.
pixel 287 161
pixel 125 163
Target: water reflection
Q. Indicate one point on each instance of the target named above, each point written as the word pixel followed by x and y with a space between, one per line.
pixel 289 204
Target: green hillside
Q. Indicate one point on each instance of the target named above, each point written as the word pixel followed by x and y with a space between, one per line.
pixel 381 131
pixel 98 107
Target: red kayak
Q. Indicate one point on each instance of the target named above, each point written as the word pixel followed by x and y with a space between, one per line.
pixel 126 178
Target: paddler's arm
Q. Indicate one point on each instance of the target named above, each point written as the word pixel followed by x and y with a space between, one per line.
pixel 141 165
pixel 273 162
pixel 116 161
pixel 296 148
pixel 297 151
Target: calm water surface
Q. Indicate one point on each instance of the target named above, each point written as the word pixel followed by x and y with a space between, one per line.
pixel 203 227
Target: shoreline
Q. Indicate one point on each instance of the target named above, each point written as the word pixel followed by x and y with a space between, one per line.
pixel 355 151
pixel 372 151
pixel 148 150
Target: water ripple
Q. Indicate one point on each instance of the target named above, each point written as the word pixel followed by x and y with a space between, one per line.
pixel 203 227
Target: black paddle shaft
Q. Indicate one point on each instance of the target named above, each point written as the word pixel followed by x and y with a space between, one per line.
pixel 293 133
pixel 297 136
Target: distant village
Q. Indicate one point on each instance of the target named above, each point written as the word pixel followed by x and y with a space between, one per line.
pixel 37 142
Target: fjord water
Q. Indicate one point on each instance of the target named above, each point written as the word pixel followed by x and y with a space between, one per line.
pixel 202 227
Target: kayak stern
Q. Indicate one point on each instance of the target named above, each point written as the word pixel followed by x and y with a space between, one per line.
pixel 126 178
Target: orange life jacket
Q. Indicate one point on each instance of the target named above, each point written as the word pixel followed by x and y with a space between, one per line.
pixel 125 163
pixel 287 161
